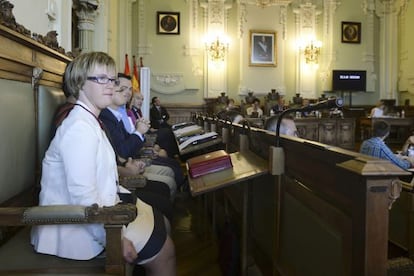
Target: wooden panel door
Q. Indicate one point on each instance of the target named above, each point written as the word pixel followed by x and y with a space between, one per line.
pixel 327 132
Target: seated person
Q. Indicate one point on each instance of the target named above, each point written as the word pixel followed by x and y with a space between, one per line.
pixel 156 193
pixel 231 105
pixel 287 125
pixel 129 123
pixel 232 115
pixel 79 168
pixel 164 136
pixel 254 110
pixel 280 106
pixel 129 144
pixel 375 146
pixel 135 105
pixel 378 110
pixel 306 103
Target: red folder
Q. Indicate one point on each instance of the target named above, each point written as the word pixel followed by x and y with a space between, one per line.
pixel 207 163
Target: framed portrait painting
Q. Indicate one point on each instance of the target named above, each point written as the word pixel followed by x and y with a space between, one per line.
pixel 262 50
pixel 168 23
pixel 351 32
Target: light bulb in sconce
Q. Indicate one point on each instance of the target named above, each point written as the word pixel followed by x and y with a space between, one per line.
pixel 311 51
pixel 217 48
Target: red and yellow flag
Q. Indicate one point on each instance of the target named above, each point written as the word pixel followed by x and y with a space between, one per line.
pixel 135 78
pixel 126 70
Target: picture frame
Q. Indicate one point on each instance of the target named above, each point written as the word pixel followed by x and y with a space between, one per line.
pixel 262 48
pixel 168 23
pixel 351 32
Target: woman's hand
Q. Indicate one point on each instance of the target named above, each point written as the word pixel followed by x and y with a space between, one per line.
pixel 140 164
pixel 142 126
pixel 132 168
pixel 158 151
pixel 128 251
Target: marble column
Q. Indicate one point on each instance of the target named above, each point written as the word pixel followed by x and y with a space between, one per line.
pixel 86 11
pixel 306 19
pixel 215 15
pixel 388 12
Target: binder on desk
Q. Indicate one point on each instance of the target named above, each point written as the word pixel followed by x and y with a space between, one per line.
pixel 208 163
pixel 188 131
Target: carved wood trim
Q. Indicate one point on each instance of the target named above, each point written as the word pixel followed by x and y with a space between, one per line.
pixel 19 54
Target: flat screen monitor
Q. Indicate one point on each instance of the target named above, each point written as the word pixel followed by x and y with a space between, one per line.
pixel 349 80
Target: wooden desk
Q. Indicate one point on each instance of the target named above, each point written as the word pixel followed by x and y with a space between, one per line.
pixel 331 131
pixel 401 129
pixel 246 166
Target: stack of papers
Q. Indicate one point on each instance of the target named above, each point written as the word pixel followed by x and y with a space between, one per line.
pixel 198 139
pixel 181 125
pixel 188 131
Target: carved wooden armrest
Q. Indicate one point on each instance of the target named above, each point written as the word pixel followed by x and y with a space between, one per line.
pixel 113 218
pixel 133 182
pixel 67 214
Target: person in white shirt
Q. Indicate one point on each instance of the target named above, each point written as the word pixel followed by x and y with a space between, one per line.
pixel 378 110
pixel 80 168
pixel 254 110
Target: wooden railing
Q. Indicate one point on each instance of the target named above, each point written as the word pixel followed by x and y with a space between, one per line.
pixel 327 214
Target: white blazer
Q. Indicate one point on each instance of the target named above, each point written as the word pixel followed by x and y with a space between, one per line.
pixel 79 167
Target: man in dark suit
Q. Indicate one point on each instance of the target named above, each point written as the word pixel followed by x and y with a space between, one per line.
pixel 158 114
pixel 129 144
pixel 125 144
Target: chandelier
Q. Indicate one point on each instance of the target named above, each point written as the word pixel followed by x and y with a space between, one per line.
pixel 217 49
pixel 312 51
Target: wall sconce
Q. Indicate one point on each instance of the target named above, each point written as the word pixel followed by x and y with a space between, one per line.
pixel 217 48
pixel 311 51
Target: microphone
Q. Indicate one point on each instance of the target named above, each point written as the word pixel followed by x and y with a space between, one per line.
pixel 327 104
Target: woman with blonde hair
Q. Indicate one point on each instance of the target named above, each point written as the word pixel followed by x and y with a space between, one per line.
pixel 80 168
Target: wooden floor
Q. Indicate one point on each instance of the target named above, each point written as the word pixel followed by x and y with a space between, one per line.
pixel 196 249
